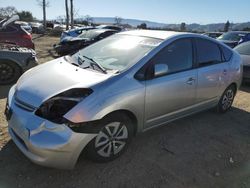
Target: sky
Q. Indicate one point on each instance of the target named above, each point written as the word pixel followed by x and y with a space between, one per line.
pixel 164 11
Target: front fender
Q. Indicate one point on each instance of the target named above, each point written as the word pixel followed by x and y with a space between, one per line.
pixel 98 107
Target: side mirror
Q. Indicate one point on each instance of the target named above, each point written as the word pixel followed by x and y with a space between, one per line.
pixel 160 69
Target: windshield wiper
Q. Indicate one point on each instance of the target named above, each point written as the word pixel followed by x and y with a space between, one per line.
pixel 93 62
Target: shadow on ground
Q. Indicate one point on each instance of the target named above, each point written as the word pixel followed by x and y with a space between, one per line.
pixel 245 87
pixel 204 150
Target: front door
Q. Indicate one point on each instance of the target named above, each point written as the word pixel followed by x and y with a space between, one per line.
pixel 175 90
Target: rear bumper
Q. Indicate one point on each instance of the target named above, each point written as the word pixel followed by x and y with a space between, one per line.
pixel 43 142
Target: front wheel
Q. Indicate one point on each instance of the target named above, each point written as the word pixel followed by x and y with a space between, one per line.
pixel 9 72
pixel 226 99
pixel 112 140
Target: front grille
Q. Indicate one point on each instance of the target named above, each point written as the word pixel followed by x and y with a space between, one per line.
pixel 24 105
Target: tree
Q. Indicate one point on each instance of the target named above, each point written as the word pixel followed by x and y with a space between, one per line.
pixel 71 14
pixel 60 19
pixel 25 16
pixel 142 26
pixel 67 14
pixel 226 27
pixel 88 20
pixel 246 29
pixel 7 11
pixel 183 26
pixel 118 20
pixel 44 4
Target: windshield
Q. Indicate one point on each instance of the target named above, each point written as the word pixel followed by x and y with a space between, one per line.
pixel 119 52
pixel 243 48
pixel 90 34
pixel 231 36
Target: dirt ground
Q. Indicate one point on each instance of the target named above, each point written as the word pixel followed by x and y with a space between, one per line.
pixel 202 151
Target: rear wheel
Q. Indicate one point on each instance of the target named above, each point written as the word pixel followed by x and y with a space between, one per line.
pixel 9 72
pixel 226 99
pixel 112 140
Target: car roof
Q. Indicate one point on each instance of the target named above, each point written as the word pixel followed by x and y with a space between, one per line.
pixel 152 33
pixel 100 30
pixel 216 32
pixel 243 32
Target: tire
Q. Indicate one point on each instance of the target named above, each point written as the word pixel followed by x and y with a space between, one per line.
pixel 9 72
pixel 226 99
pixel 105 147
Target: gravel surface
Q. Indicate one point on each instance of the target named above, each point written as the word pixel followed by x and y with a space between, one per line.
pixel 201 151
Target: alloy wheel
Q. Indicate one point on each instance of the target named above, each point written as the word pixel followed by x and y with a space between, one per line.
pixel 111 139
pixel 7 72
pixel 227 99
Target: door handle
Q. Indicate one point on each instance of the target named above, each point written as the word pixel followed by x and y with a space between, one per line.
pixel 190 81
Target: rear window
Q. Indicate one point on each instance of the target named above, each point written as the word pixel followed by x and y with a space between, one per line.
pixel 227 53
pixel 208 52
pixel 8 29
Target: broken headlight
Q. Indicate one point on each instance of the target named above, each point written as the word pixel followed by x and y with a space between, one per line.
pixel 56 107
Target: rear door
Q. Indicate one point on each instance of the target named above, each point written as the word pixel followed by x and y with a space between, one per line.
pixel 212 70
pixel 174 91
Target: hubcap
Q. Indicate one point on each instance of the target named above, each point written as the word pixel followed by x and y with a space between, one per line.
pixel 6 72
pixel 111 139
pixel 227 99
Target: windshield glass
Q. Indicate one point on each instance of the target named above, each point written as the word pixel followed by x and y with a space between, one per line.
pixel 119 52
pixel 243 48
pixel 90 34
pixel 231 36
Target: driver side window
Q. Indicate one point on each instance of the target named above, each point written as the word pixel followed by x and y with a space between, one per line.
pixel 178 56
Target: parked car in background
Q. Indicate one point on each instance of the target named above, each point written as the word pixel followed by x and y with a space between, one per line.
pixel 37 27
pixel 233 38
pixel 14 61
pixel 12 33
pixel 244 51
pixel 70 45
pixel 75 32
pixel 130 82
pixel 78 31
pixel 213 34
pixel 24 25
pixel 113 27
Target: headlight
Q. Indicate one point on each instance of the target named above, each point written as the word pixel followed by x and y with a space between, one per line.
pixel 56 107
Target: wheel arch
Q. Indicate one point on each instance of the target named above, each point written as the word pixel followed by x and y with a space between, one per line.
pixel 12 61
pixel 234 85
pixel 128 113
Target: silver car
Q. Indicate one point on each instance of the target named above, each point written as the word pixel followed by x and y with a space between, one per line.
pixel 98 99
pixel 244 51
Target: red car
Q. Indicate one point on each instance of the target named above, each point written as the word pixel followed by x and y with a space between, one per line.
pixel 14 34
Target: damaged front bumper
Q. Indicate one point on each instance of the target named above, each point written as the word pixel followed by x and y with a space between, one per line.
pixel 44 142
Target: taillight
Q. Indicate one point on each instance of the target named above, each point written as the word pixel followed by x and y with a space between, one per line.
pixel 27 36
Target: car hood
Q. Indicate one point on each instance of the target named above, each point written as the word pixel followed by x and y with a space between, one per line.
pixel 49 79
